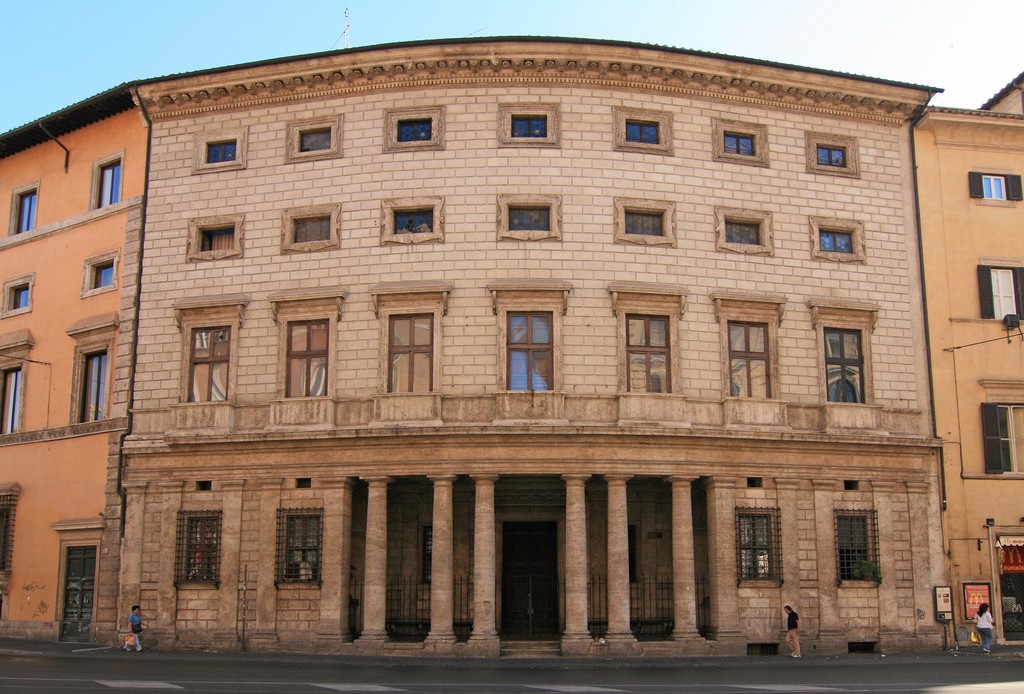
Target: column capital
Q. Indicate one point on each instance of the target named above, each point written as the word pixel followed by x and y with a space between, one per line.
pixel 722 482
pixel 884 487
pixel 135 487
pixel 583 478
pixel 485 477
pixel 825 485
pixel 232 485
pixel 170 486
pixel 617 477
pixel 334 483
pixel 372 480
pixel 269 485
pixel 683 479
pixel 917 487
pixel 441 478
pixel 787 483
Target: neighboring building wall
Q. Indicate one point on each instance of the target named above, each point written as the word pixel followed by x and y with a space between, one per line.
pixel 582 456
pixel 970 165
pixel 67 418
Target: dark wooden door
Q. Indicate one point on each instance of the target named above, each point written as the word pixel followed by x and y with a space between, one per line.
pixel 529 580
pixel 79 585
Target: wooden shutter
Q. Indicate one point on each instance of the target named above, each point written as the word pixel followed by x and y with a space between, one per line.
pixel 988 309
pixel 1018 290
pixel 997 458
pixel 1013 188
pixel 974 185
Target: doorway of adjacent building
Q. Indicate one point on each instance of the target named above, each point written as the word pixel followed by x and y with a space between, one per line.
pixel 79 586
pixel 529 580
pixel 1013 606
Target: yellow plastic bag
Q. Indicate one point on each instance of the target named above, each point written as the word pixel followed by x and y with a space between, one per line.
pixel 975 636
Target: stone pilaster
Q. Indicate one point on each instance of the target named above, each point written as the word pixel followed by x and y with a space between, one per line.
pixel 788 491
pixel 722 555
pixel 265 629
pixel 334 575
pixel 576 639
pixel 923 520
pixel 376 563
pixel 684 597
pixel 894 620
pixel 442 580
pixel 831 632
pixel 166 592
pixel 227 633
pixel 619 635
pixel 484 639
pixel 132 544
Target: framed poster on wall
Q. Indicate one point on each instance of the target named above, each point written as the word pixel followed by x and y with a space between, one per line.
pixel 974 595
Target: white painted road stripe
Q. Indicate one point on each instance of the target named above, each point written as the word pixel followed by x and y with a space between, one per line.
pixel 787 688
pixel 572 688
pixel 129 684
pixel 359 688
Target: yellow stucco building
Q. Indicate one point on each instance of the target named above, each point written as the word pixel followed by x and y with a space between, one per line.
pixel 72 186
pixel 969 166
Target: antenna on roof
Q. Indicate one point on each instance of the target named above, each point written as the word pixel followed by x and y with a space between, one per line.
pixel 345 43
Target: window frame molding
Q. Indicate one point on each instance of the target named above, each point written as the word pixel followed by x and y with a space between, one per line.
pixel 849 144
pixel 281 546
pixel 663 119
pixel 667 209
pixel 844 315
pixel 507 111
pixel 201 140
pixel 739 307
pixel 181 546
pixel 293 214
pixel 89 266
pixel 204 313
pixel 775 557
pixel 766 233
pixel 409 298
pixel 196 227
pixel 648 299
pixel 872 539
pixel 756 131
pixel 16 195
pixel 15 348
pixel 97 179
pixel 295 129
pixel 392 118
pixel 92 335
pixel 6 308
pixel 391 206
pixel 9 496
pixel 851 226
pixel 507 201
pixel 301 305
pixel 529 296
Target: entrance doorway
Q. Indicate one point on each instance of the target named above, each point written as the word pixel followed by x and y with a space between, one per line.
pixel 79 585
pixel 529 580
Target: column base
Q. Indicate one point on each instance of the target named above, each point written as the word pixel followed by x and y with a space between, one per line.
pixel 727 642
pixel 577 644
pixel 440 644
pixel 481 646
pixel 622 643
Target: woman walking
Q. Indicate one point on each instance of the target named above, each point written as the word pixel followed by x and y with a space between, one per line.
pixel 984 625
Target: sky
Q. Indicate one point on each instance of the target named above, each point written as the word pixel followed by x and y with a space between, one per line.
pixel 79 48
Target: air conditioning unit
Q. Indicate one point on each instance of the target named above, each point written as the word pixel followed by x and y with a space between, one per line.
pixel 1011 321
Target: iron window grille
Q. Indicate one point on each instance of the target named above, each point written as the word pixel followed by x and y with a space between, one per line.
pixel 427 560
pixel 7 503
pixel 299 542
pixel 857 546
pixel 758 544
pixel 197 559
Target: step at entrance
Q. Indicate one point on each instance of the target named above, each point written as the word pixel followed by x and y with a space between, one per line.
pixel 531 649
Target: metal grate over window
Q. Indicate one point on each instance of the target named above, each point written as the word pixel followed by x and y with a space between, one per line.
pixel 857 545
pixel 758 544
pixel 197 559
pixel 299 538
pixel 7 503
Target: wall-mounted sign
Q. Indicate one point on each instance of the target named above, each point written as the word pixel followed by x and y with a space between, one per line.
pixel 944 603
pixel 1011 554
pixel 974 595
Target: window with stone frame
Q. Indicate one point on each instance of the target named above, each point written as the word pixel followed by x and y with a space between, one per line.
pixel 740 143
pixel 749 332
pixel 307 372
pixel 99 273
pixel 530 351
pixel 8 506
pixel 11 404
pixel 644 222
pixel 197 552
pixel 642 130
pixel 528 125
pixel 107 179
pixel 215 238
pixel 414 129
pixel 844 365
pixel 412 220
pixel 209 364
pixel 410 315
pixel 222 150
pixel 856 545
pixel 835 155
pixel 649 350
pixel 93 399
pixel 758 544
pixel 844 329
pixel 310 228
pixel 529 321
pixel 837 240
pixel 314 139
pixel 749 361
pixel 529 217
pixel 744 231
pixel 24 203
pixel 299 545
pixel 411 353
pixel 94 338
pixel 17 295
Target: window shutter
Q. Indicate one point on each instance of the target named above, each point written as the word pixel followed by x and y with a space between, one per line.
pixel 1013 188
pixel 974 185
pixel 997 459
pixel 988 309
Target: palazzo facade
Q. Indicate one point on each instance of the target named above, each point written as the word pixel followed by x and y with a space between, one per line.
pixel 453 346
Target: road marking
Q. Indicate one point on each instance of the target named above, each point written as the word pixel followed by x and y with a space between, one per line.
pixel 359 688
pixel 86 650
pixel 140 684
pixel 12 651
pixel 580 688
pixel 787 688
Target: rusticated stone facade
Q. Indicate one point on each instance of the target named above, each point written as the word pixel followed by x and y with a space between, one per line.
pixel 611 425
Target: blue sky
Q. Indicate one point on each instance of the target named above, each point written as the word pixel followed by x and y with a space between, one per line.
pixel 63 51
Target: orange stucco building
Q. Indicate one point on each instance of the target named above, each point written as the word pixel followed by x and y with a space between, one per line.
pixel 71 187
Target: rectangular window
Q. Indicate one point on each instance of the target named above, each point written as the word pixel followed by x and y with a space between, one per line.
pixel 211 354
pixel 7 503
pixel 315 140
pixel 427 561
pixel 857 545
pixel 102 275
pixel 217 239
pixel 831 156
pixel 197 555
pixel 529 218
pixel 830 241
pixel 410 354
pixel 736 143
pixel 990 186
pixel 10 416
pixel 220 152
pixel 19 297
pixel 1003 430
pixel 743 232
pixel 529 126
pixel 1004 293
pixel 1000 290
pixel 993 187
pixel 313 229
pixel 648 354
pixel 758 544
pixel 644 132
pixel 414 221
pixel 844 366
pixel 530 353
pixel 748 360
pixel 417 130
pixel 27 203
pixel 110 184
pixel 644 223
pixel 299 538
pixel 94 387
pixel 307 359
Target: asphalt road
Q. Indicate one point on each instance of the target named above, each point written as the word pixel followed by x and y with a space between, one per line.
pixel 42 668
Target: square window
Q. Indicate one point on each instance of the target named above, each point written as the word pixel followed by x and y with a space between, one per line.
pixel 306 375
pixel 109 184
pixel 839 240
pixel 313 139
pixel 844 366
pixel 530 352
pixel 17 295
pixel 102 275
pixel 857 545
pixel 835 155
pixel 412 220
pixel 831 241
pixel 641 130
pixel 749 363
pixel 744 231
pixel 223 150
pixel 299 540
pixel 529 217
pixel 25 219
pixel 310 228
pixel 648 354
pixel 99 273
pixel 197 555
pixel 215 238
pixel 528 125
pixel 644 222
pixel 410 353
pixel 208 364
pixel 758 544
pixel 94 387
pixel 10 405
pixel 740 143
pixel 414 129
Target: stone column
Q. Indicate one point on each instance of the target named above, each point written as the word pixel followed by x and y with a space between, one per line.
pixel 484 638
pixel 376 563
pixel 831 632
pixel 684 597
pixel 442 580
pixel 576 639
pixel 620 636
pixel 265 628
pixel 230 557
pixel 334 563
pixel 725 612
pixel 166 592
pixel 132 545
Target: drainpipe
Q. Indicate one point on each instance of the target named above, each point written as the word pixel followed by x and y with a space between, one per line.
pixel 67 152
